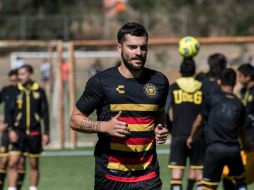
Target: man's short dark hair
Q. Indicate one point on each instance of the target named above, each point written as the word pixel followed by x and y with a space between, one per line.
pixel 187 67
pixel 132 28
pixel 13 72
pixel 228 77
pixel 217 63
pixel 28 68
pixel 247 70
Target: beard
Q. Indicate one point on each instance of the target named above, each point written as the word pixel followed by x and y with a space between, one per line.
pixel 131 66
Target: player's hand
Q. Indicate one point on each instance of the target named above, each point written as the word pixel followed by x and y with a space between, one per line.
pixel 189 142
pixel 114 127
pixel 3 126
pixel 161 134
pixel 45 140
pixel 13 136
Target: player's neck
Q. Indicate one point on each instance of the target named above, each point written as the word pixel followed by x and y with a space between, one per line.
pixel 127 73
pixel 227 89
pixel 250 84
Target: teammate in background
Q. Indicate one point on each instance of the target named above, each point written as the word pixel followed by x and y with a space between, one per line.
pixel 186 95
pixel 129 100
pixel 5 95
pixel 246 78
pixel 225 115
pixel 217 64
pixel 24 119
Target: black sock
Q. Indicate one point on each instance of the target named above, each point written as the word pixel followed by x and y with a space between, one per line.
pixel 228 184
pixel 190 184
pixel 2 179
pixel 21 177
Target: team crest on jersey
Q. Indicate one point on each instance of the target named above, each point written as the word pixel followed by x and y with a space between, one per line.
pixel 36 95
pixel 120 89
pixel 250 98
pixel 151 89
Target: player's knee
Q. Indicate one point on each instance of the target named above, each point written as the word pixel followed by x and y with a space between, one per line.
pixel 34 166
pixel 13 165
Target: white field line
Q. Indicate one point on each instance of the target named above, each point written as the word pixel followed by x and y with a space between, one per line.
pixel 86 153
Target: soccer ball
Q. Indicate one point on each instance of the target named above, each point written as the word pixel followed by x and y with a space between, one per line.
pixel 188 46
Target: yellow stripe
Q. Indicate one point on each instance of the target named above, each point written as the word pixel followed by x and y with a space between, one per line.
pixel 34 155
pixel 209 183
pixel 174 181
pixel 131 148
pixel 197 167
pixel 14 152
pixel 122 167
pixel 4 154
pixel 133 107
pixel 246 96
pixel 3 171
pixel 27 111
pixel 141 127
pixel 176 167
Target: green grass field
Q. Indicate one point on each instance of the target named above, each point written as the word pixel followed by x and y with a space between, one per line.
pixel 77 172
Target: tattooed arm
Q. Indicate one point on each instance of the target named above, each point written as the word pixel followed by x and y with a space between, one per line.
pixel 81 123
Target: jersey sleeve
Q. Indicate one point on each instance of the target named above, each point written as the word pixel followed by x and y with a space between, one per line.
pixel 205 107
pixel 92 96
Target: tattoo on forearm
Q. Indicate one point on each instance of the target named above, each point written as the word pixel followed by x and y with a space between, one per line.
pixel 90 125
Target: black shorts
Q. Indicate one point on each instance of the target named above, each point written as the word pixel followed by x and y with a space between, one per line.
pixel 216 157
pixel 4 149
pixel 180 152
pixel 106 184
pixel 28 145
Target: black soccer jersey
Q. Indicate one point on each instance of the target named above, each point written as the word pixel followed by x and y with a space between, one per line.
pixel 247 97
pixel 5 97
pixel 210 86
pixel 187 98
pixel 133 158
pixel 226 115
pixel 28 108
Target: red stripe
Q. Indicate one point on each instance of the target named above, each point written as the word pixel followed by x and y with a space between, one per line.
pixel 137 120
pixel 34 133
pixel 131 161
pixel 132 141
pixel 131 179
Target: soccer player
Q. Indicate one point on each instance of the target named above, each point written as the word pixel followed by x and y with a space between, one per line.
pixel 5 94
pixel 217 63
pixel 24 119
pixel 186 95
pixel 129 100
pixel 246 78
pixel 226 116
